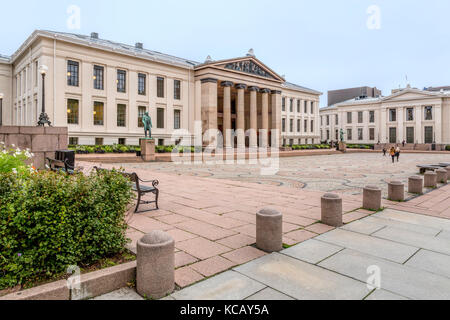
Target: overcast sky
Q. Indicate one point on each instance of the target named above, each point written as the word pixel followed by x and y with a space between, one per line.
pixel 320 44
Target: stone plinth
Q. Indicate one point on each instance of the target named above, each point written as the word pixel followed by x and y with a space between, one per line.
pixel 442 176
pixel 372 198
pixel 43 142
pixel 148 152
pixel 448 173
pixel 396 191
pixel 415 185
pixel 332 210
pixel 269 230
pixel 430 179
pixel 342 147
pixel 155 270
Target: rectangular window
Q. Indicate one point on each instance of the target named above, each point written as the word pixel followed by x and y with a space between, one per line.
pixel 298 125
pixel 429 135
pixel 98 113
pixel 349 117
pixel 393 135
pixel 73 68
pixel 72 111
pixel 160 87
pixel 36 71
pixel 328 135
pixel 98 141
pixel 428 113
pixel 392 115
pixel 328 120
pixel 360 117
pixel 312 107
pixel 312 125
pixel 121 115
pixel 409 134
pixel 410 114
pixel 283 104
pixel 306 107
pixel 336 119
pixel 73 141
pixel 160 118
pixel 360 134
pixel 291 125
pixel 372 116
pixel 177 89
pixel 305 126
pixel 122 141
pixel 141 113
pixel 99 77
pixel 142 82
pixel 283 125
pixel 160 142
pixel 121 81
pixel 291 108
pixel 176 119
pixel 371 134
pixel 337 135
pixel 349 135
pixel 298 106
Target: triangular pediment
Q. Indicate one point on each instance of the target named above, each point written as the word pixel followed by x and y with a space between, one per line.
pixel 246 65
pixel 410 94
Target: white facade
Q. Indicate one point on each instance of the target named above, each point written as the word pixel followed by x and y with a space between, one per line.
pixel 409 115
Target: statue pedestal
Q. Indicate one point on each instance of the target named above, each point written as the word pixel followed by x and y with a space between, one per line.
pixel 342 147
pixel 148 153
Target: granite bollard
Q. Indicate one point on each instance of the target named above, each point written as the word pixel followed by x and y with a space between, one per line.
pixel 442 176
pixel 332 210
pixel 372 198
pixel 430 179
pixel 415 185
pixel 269 230
pixel 155 272
pixel 396 191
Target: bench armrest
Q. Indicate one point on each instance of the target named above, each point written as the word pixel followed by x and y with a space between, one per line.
pixel 155 183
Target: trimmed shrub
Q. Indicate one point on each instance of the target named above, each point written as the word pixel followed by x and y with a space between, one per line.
pixel 447 148
pixel 49 221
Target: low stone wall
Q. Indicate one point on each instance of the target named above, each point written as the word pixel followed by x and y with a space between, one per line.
pixel 412 147
pixel 43 142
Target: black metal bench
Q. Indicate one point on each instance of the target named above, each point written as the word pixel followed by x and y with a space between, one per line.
pixel 140 189
pixel 425 168
pixel 59 165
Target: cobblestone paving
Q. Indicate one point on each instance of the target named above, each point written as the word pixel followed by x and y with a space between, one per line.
pixel 344 174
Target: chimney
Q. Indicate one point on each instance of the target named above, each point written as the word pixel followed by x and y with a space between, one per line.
pixel 94 35
pixel 139 45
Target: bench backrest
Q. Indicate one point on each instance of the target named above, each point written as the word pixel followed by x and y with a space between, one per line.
pixel 131 176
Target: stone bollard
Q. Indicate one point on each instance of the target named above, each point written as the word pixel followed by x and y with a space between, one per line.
pixel 372 198
pixel 430 179
pixel 396 191
pixel 448 173
pixel 269 230
pixel 442 176
pixel 155 272
pixel 415 185
pixel 332 210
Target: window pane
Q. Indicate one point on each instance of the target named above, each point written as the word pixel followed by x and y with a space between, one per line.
pixel 298 125
pixel 98 113
pixel 141 113
pixel 349 134
pixel 283 125
pixel 312 107
pixel 160 118
pixel 428 113
pixel 142 83
pixel 392 135
pixel 372 134
pixel 429 135
pixel 291 108
pixel 372 116
pixel 121 80
pixel 122 141
pixel 306 106
pixel 410 135
pixel 360 134
pixel 392 115
pixel 73 141
pixel 305 128
pixel 291 125
pixel 410 114
pixel 160 87
pixel 121 115
pixel 72 73
pixel 177 89
pixel 349 117
pixel 360 117
pixel 176 119
pixel 312 125
pixel 72 111
pixel 283 104
pixel 98 141
pixel 98 77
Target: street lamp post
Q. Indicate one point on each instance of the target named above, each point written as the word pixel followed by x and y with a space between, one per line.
pixel 43 118
pixel 1 109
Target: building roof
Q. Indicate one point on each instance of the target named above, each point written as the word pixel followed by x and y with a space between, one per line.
pixel 293 86
pixel 109 46
pixel 5 58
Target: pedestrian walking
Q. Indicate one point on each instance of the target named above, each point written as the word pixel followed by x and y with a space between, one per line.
pixel 397 153
pixel 384 151
pixel 392 153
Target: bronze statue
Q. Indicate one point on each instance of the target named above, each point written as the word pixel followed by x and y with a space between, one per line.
pixel 147 121
pixel 342 135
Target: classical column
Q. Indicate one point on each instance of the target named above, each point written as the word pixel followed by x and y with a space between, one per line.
pixel 265 117
pixel 418 116
pixel 227 113
pixel 437 117
pixel 276 118
pixel 240 123
pixel 209 110
pixel 383 125
pixel 400 124
pixel 253 117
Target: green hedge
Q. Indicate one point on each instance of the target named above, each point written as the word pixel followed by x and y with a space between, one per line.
pixel 49 221
pixel 310 147
pixel 447 148
pixel 116 148
pixel 360 146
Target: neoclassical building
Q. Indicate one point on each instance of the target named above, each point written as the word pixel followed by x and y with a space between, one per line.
pixel 417 117
pixel 101 89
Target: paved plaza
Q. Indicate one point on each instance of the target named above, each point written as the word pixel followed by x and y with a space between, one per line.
pixel 343 173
